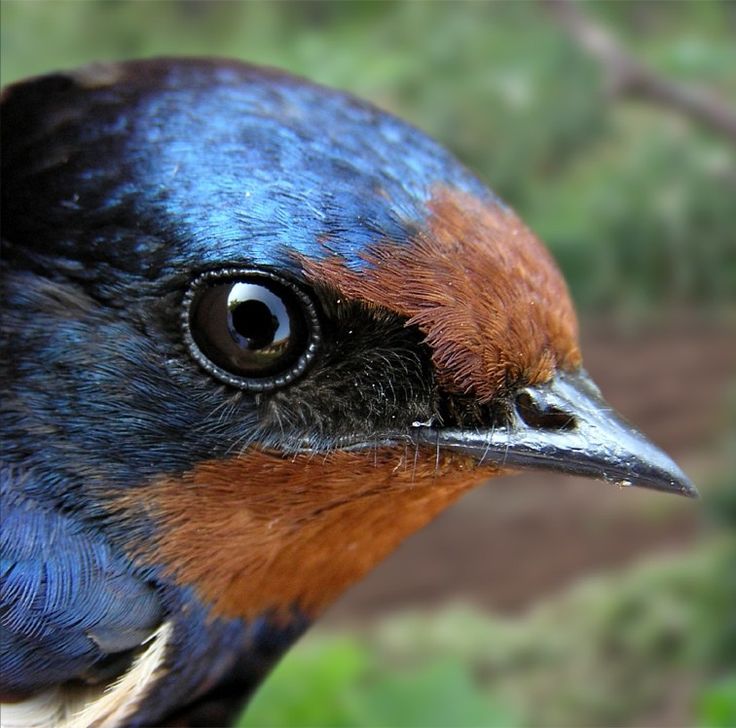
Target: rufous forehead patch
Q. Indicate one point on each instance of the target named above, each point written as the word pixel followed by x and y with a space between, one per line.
pixel 487 294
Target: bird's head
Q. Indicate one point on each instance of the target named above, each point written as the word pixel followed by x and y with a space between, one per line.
pixel 262 331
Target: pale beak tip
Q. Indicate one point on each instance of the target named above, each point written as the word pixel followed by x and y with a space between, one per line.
pixel 685 486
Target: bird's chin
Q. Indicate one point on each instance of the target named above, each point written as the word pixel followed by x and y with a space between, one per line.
pixel 563 426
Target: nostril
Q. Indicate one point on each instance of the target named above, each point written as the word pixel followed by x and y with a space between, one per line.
pixel 549 418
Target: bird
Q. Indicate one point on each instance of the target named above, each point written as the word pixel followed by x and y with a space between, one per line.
pixel 255 332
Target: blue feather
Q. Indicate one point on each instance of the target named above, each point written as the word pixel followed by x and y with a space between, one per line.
pixel 63 594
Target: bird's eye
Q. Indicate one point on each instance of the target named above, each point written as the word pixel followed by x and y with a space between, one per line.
pixel 250 328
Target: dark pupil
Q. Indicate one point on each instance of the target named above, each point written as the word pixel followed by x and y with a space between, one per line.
pixel 254 323
pixel 257 317
pixel 249 328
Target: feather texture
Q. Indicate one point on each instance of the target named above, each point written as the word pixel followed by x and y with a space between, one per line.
pixel 66 601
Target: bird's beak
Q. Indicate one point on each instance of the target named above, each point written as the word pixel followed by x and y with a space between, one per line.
pixel 566 426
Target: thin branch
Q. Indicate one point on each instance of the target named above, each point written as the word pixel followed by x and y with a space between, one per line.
pixel 629 77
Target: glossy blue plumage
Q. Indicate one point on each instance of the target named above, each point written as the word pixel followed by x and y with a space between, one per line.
pixel 67 599
pixel 219 162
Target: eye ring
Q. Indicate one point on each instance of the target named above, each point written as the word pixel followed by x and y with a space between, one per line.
pixel 259 363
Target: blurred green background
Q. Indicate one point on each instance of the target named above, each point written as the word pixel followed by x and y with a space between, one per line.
pixel 540 601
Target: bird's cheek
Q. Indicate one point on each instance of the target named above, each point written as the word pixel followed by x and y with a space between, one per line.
pixel 263 534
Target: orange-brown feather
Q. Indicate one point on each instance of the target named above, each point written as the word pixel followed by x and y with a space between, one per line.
pixel 488 296
pixel 261 533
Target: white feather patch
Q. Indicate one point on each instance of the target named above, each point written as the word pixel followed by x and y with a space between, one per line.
pixel 98 706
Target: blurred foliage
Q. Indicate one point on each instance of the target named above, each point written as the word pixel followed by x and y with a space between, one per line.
pixel 637 203
pixel 721 502
pixel 717 707
pixel 339 681
pixel 612 651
